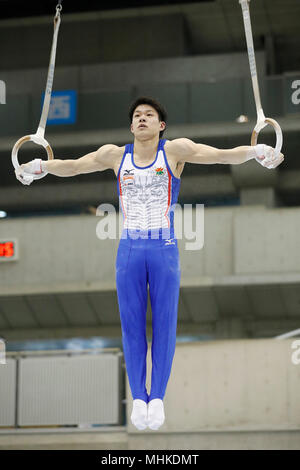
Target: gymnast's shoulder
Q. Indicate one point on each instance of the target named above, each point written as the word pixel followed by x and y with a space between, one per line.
pixel 179 148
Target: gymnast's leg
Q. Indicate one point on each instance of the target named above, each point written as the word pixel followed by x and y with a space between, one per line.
pixel 131 282
pixel 164 283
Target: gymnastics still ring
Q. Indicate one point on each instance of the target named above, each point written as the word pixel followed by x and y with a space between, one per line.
pixel 262 121
pixel 38 138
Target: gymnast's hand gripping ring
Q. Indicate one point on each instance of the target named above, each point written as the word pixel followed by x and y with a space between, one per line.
pixel 262 121
pixel 37 139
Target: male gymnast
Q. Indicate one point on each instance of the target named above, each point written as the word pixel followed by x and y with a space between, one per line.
pixel 148 179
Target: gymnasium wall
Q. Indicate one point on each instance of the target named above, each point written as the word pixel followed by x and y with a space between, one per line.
pixel 127 74
pixel 68 250
pixel 228 394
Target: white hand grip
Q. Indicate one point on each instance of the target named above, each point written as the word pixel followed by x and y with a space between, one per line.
pixel 37 139
pixel 260 125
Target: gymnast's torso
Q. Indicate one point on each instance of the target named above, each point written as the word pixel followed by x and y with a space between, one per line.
pixel 148 193
pixel 177 168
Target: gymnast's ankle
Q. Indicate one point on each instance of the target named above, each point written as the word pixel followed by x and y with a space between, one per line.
pixel 139 414
pixel 156 415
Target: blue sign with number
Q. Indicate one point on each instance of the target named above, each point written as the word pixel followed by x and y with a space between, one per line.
pixel 63 107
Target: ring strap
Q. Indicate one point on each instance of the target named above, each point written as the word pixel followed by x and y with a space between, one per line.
pixel 262 121
pixel 251 54
pixel 46 104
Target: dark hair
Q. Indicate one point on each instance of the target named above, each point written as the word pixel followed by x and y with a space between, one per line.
pixel 152 102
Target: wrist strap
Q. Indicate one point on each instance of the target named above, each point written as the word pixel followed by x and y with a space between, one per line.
pixel 250 154
pixel 43 166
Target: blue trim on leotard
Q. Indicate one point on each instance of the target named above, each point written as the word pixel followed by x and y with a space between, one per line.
pixel 163 141
pixel 148 166
pixel 127 149
pixel 175 184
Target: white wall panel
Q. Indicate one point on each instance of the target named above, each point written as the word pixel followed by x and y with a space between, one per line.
pixel 8 393
pixel 65 390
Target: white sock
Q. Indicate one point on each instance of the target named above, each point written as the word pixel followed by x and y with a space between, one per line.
pixel 156 414
pixel 139 414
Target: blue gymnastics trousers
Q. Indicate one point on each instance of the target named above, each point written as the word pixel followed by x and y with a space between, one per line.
pixel 140 263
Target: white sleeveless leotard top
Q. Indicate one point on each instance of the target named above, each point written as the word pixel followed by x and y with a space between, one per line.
pixel 147 194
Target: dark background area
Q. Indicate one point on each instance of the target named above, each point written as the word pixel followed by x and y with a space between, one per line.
pixel 19 9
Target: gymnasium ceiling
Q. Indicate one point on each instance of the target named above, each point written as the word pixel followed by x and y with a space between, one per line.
pixel 212 26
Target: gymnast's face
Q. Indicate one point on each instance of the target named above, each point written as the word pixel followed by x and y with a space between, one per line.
pixel 145 122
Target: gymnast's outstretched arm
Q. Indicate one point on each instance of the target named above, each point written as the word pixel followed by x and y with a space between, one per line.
pixel 185 150
pixel 100 160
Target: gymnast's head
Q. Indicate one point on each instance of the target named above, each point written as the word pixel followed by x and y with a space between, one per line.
pixel 147 118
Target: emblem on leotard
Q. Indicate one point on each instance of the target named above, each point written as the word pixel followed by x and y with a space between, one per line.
pixel 159 171
pixel 128 176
